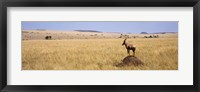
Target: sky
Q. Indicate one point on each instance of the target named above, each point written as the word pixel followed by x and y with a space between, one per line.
pixel 119 26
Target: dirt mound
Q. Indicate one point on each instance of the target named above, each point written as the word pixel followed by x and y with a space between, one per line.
pixel 130 60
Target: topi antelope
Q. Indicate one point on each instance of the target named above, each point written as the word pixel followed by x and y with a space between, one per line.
pixel 129 47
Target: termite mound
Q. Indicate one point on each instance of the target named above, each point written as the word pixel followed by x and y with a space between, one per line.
pixel 130 61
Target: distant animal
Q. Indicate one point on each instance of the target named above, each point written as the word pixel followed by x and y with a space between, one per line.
pixel 154 36
pixel 129 47
pixel 48 37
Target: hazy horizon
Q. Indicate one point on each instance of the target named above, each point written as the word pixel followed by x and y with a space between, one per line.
pixel 122 27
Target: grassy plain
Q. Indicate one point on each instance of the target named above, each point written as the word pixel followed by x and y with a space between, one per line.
pixel 98 54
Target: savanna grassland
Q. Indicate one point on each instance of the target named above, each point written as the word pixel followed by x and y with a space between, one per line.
pixel 99 53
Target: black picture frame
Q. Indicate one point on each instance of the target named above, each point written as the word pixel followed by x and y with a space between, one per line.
pixel 98 3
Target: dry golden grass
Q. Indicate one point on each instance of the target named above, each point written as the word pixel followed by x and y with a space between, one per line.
pixel 98 54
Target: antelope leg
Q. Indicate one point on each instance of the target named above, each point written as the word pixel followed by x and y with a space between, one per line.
pixel 128 52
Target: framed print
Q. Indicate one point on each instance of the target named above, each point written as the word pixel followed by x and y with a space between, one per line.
pixel 128 45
